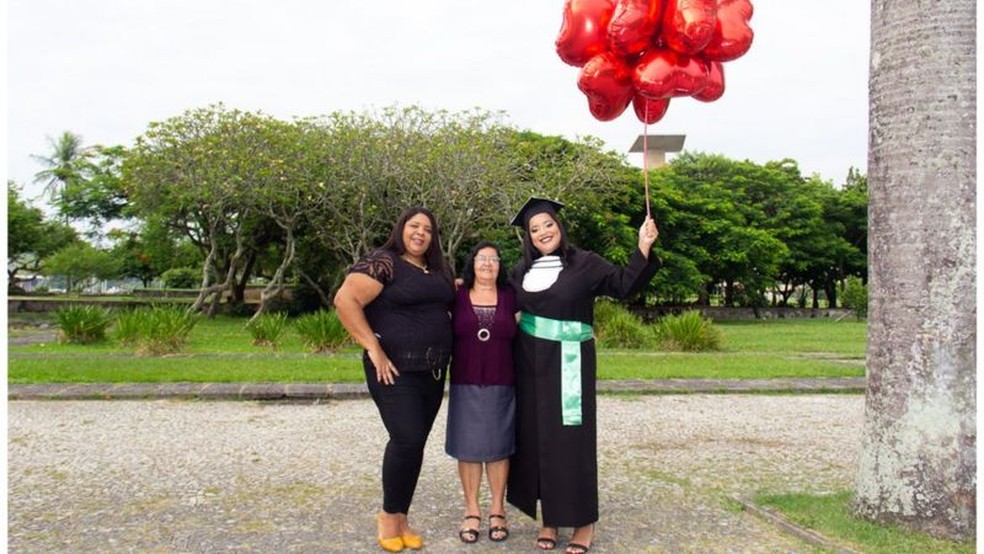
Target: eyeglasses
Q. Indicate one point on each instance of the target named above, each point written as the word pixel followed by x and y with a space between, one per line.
pixel 490 259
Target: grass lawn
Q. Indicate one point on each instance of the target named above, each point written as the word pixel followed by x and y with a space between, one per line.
pixel 220 350
pixel 830 515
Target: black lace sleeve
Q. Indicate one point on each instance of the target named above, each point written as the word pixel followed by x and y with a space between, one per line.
pixel 377 264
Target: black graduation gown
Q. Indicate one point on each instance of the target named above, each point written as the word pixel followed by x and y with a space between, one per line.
pixel 554 463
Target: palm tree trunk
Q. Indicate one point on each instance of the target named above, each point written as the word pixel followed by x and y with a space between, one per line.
pixel 917 465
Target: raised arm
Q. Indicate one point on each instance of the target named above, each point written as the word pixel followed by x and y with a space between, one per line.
pixel 648 233
pixel 622 281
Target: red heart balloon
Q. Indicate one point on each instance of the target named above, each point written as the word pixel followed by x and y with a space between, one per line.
pixel 688 25
pixel 607 82
pixel 715 82
pixel 732 36
pixel 649 110
pixel 633 25
pixel 663 73
pixel 584 31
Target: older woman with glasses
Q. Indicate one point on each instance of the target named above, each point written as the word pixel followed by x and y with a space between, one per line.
pixel 481 399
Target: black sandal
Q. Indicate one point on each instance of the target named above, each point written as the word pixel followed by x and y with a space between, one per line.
pixel 580 548
pixel 498 533
pixel 547 543
pixel 469 536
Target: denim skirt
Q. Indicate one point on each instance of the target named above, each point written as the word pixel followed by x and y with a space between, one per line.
pixel 481 422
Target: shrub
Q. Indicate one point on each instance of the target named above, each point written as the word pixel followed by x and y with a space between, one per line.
pixel 163 329
pixel 617 327
pixel 267 329
pixel 321 331
pixel 82 324
pixel 182 278
pixel 128 326
pixel 855 297
pixel 689 332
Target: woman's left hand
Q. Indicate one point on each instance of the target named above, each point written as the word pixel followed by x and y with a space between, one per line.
pixel 648 234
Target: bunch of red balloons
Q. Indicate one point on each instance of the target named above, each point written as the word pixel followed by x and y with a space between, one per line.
pixel 646 52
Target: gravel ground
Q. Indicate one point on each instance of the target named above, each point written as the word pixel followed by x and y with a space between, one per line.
pixel 183 476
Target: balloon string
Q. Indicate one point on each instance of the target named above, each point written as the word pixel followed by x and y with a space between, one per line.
pixel 645 157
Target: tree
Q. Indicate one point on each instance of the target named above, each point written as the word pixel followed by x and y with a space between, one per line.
pixel 917 464
pixel 95 193
pixel 724 217
pixel 850 210
pixel 195 172
pixel 30 238
pixel 62 165
pixel 146 254
pixel 466 167
pixel 286 193
pixel 80 264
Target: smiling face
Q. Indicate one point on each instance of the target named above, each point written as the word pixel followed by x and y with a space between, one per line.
pixel 486 265
pixel 544 233
pixel 417 233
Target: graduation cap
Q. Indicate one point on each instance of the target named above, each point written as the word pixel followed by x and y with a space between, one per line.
pixel 535 206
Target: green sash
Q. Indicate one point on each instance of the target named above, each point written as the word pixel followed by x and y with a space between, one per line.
pixel 570 334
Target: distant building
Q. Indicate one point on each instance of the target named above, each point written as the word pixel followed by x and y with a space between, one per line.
pixel 656 147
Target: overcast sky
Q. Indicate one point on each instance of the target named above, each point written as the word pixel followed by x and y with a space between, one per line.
pixel 105 69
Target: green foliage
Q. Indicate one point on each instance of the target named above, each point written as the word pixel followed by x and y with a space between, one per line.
pixel 182 278
pixel 64 164
pixel 855 297
pixel 163 329
pixel 267 329
pixel 750 228
pixel 23 223
pixel 831 515
pixel 80 263
pixel 30 238
pixel 310 196
pixel 321 331
pixel 147 253
pixel 95 193
pixel 688 332
pixel 128 326
pixel 83 324
pixel 617 327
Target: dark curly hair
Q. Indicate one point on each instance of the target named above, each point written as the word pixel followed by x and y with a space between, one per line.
pixel 434 254
pixel 468 270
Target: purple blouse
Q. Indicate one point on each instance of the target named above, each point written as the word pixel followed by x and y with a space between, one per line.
pixel 483 362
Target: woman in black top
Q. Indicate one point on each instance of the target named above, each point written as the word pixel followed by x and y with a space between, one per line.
pixel 395 302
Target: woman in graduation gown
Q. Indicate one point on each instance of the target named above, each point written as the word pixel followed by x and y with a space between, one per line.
pixel 556 444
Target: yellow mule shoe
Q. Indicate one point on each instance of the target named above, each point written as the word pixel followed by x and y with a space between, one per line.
pixel 412 540
pixel 392 544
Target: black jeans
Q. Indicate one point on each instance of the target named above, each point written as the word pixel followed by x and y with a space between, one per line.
pixel 408 409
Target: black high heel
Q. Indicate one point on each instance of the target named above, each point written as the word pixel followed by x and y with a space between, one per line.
pixel 547 543
pixel 578 548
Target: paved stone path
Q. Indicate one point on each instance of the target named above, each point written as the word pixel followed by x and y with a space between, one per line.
pixel 312 392
pixel 168 474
